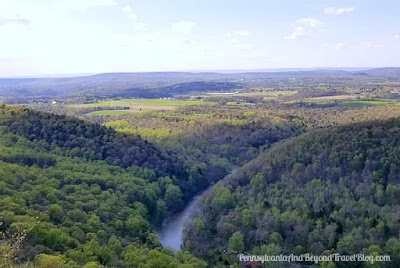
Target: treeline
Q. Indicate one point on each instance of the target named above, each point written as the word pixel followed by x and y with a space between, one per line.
pixel 177 89
pixel 329 191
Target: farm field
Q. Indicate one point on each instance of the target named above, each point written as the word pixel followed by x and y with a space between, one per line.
pixel 327 99
pixel 351 101
pixel 361 103
pixel 138 105
pixel 258 93
pixel 270 94
pixel 111 112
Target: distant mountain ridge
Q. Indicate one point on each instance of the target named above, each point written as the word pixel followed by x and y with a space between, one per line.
pixel 216 71
pixel 116 84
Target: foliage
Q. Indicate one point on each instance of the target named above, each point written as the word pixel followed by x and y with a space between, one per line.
pixel 332 190
pixel 88 197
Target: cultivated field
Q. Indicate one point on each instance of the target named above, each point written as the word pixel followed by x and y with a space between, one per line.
pixel 135 105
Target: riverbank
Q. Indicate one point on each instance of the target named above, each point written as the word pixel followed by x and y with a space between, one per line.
pixel 171 231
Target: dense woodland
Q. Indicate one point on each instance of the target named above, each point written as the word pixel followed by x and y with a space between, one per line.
pixel 80 200
pixel 79 189
pixel 316 155
pixel 329 191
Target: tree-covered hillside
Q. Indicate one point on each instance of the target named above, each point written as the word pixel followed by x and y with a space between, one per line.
pixel 75 193
pixel 86 193
pixel 86 140
pixel 333 190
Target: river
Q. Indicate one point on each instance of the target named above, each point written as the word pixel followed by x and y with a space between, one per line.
pixel 171 232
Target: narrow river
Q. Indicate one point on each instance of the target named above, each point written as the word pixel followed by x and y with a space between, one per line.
pixel 171 232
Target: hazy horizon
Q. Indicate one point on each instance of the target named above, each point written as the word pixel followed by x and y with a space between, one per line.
pixel 107 36
pixel 228 71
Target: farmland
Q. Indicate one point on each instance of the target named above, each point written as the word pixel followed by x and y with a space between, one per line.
pixel 127 106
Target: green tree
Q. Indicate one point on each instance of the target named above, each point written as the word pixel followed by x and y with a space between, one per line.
pixel 49 261
pixel 173 197
pixel 136 224
pixel 222 200
pixel 236 242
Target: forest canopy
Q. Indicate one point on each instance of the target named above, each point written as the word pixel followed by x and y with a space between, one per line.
pixel 328 191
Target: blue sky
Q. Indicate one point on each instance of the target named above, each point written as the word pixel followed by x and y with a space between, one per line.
pixel 92 36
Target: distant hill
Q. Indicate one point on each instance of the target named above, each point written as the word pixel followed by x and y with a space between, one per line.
pixel 384 72
pixel 283 70
pixel 105 84
pixel 163 84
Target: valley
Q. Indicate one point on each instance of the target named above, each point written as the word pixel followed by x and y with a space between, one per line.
pixel 199 134
pixel 130 174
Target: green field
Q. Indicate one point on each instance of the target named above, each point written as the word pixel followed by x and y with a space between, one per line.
pixel 269 94
pixel 361 104
pixel 143 102
pixel 138 105
pixel 257 93
pixel 328 99
pixel 111 112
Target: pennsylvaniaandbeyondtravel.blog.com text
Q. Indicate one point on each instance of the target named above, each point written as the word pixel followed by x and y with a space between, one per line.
pixel 336 257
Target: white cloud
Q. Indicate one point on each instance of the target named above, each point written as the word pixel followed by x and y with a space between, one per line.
pixel 132 17
pixel 4 21
pixel 338 11
pixel 137 24
pixel 86 4
pixel 369 44
pixel 298 32
pixel 304 27
pixel 242 33
pixel 100 2
pixel 337 46
pixel 397 36
pixel 234 37
pixel 238 40
pixel 183 27
pixel 313 23
pixel 127 9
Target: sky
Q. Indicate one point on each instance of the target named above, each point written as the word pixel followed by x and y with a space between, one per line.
pixel 44 37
